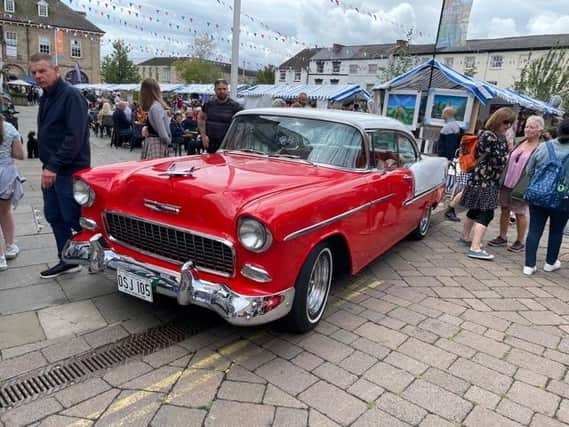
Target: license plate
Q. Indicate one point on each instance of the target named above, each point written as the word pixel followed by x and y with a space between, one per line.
pixel 132 284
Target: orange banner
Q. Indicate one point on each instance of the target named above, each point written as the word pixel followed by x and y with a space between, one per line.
pixel 59 48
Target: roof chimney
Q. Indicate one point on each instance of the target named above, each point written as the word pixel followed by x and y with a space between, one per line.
pixel 402 44
pixel 337 47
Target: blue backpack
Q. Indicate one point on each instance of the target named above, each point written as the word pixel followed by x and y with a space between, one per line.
pixel 548 187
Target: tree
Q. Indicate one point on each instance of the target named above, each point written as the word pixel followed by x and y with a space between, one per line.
pixel 197 70
pixel 203 46
pixel 117 68
pixel 400 61
pixel 470 71
pixel 546 76
pixel 266 75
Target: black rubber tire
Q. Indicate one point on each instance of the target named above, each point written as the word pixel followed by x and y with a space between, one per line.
pixel 298 320
pixel 422 228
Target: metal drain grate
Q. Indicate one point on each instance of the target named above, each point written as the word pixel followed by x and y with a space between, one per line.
pixel 55 377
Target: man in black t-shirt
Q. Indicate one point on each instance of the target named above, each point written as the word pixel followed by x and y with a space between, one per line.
pixel 216 115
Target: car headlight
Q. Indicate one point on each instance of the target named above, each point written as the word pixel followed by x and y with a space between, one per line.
pixel 82 193
pixel 253 235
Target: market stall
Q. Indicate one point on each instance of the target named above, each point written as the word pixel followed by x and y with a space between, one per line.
pixel 417 98
pixel 323 96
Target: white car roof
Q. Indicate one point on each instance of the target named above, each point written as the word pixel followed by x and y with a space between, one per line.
pixel 361 120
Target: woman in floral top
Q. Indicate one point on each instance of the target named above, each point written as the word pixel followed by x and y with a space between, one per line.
pixel 481 193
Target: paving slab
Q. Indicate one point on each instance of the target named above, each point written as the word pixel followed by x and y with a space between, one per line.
pixel 29 298
pixel 69 319
pixel 20 329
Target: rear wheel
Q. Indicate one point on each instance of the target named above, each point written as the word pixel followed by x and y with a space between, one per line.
pixel 312 289
pixel 423 228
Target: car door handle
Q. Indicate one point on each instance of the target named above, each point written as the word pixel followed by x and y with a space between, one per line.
pixel 408 177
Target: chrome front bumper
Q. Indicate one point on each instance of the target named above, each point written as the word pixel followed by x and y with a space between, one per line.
pixel 184 285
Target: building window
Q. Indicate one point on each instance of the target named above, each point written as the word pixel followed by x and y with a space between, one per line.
pixel 166 74
pixel 9 6
pixel 496 61
pixel 523 60
pixel 75 48
pixel 334 81
pixel 11 38
pixel 336 66
pixel 297 76
pixel 44 45
pixel 369 86
pixel 493 82
pixel 372 68
pixel 354 68
pixel 42 8
pixel 469 62
pixel 319 66
pixel 282 77
pixel 449 62
pixel 317 81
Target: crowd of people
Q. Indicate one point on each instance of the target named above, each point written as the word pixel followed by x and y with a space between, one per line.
pixel 503 171
pixel 502 174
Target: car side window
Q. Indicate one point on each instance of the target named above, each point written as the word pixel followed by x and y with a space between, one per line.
pixel 407 151
pixel 384 149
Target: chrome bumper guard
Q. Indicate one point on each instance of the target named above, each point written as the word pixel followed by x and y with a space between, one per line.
pixel 185 286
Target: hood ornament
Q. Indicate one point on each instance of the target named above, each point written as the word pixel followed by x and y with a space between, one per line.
pixel 155 206
pixel 172 171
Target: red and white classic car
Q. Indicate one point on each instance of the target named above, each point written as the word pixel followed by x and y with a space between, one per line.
pixel 258 231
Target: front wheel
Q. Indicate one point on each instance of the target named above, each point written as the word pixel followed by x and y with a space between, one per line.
pixel 312 289
pixel 423 228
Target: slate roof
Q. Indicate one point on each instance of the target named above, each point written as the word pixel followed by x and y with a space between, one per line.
pixel 59 15
pixel 377 51
pixel 168 61
pixel 300 60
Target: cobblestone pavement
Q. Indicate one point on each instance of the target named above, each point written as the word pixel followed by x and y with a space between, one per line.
pixel 423 336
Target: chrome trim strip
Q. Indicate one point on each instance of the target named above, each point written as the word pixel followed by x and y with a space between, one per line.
pixel 258 274
pixel 185 230
pixel 419 196
pixel 185 285
pixel 161 207
pixel 88 223
pixel 339 217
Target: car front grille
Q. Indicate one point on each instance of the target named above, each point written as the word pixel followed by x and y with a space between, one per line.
pixel 171 243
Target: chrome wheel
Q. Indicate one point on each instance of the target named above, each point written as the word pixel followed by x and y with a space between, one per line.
pixel 319 285
pixel 425 222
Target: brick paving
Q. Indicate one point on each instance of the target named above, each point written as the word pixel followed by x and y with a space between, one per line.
pixel 424 336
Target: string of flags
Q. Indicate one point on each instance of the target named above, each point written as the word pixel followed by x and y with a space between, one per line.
pixel 19 21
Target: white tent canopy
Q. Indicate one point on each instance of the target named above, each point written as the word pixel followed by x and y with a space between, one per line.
pixel 337 93
pixel 18 82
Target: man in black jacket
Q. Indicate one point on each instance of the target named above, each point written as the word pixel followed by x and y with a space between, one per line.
pixel 63 140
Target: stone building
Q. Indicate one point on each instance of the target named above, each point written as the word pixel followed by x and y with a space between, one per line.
pixel 163 71
pixel 49 26
pixel 499 61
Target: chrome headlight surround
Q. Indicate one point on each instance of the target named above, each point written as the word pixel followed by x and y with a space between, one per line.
pixel 254 235
pixel 83 193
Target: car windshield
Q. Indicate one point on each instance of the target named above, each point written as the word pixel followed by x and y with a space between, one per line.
pixel 316 141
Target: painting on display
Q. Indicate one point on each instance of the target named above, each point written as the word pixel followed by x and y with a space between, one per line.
pixel 403 105
pixel 439 99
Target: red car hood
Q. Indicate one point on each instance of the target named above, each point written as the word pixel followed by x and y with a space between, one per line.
pixel 219 188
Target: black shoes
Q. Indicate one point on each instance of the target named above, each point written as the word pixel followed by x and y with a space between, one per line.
pixel 59 269
pixel 450 214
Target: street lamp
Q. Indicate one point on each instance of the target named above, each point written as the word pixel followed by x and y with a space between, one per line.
pixel 235 46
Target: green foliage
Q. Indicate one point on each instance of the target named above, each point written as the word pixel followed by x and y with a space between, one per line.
pixel 546 76
pixel 400 62
pixel 197 70
pixel 117 68
pixel 470 71
pixel 266 75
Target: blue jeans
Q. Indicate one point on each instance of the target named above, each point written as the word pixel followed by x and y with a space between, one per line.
pixel 537 218
pixel 61 210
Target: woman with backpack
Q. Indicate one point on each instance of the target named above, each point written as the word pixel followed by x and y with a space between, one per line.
pixel 539 213
pixel 480 195
pixel 515 184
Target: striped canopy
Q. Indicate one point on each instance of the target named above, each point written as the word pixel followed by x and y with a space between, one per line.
pixel 336 93
pixel 445 77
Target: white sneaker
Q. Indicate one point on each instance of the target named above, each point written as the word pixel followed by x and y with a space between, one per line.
pixel 549 267
pixel 12 251
pixel 3 263
pixel 528 271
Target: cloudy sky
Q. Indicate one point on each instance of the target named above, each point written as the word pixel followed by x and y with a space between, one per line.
pixel 274 30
